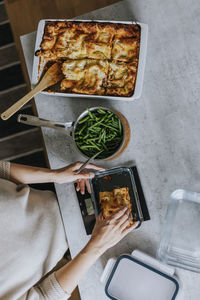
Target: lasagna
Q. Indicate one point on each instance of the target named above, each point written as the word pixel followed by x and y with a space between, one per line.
pixel 96 58
pixel 111 202
pixel 86 76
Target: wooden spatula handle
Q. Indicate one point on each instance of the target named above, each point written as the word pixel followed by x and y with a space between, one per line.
pixel 52 76
pixel 16 106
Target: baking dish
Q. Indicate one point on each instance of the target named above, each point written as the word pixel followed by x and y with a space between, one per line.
pixel 120 177
pixel 37 68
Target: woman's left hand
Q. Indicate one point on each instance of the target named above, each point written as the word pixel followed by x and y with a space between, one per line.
pixel 68 174
pixel 108 232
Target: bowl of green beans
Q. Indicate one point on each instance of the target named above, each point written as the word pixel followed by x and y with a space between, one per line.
pixel 99 129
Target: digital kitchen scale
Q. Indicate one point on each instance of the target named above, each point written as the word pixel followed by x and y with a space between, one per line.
pixel 87 208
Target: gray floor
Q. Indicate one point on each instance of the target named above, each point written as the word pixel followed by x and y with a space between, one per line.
pixel 17 142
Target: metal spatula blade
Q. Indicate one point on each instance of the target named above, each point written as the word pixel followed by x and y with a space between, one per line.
pixel 87 162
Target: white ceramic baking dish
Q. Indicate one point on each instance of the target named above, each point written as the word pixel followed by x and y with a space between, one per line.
pixel 37 69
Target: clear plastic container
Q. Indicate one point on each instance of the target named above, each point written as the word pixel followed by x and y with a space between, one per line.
pixel 119 177
pixel 180 242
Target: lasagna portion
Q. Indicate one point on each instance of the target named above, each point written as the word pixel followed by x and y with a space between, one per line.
pixel 97 58
pixel 126 43
pixel 77 40
pixel 85 76
pixel 121 78
pixel 111 202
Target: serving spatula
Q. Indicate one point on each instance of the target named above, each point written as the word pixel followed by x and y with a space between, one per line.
pixel 51 77
pixel 87 162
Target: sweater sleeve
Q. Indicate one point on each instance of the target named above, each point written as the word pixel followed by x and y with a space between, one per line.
pixel 4 169
pixel 48 289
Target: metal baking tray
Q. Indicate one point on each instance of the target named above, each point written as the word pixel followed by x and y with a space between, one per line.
pixel 120 177
pixel 37 69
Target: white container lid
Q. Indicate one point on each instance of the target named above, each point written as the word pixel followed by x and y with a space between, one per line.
pixel 132 279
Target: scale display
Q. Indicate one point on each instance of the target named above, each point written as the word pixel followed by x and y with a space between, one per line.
pixel 89 206
pixel 87 210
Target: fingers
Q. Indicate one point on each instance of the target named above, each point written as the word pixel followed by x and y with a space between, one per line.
pixel 84 175
pixel 100 217
pixel 121 221
pixel 135 225
pixel 124 218
pixel 82 187
pixel 94 167
pixel 78 164
pixel 118 214
pixel 78 185
pixel 124 225
pixel 129 229
pixel 88 186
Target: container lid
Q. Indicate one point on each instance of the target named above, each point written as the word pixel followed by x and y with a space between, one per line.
pixel 132 279
pixel 180 242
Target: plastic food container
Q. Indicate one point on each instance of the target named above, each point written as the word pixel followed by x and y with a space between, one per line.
pixel 118 177
pixel 37 69
pixel 180 242
pixel 139 277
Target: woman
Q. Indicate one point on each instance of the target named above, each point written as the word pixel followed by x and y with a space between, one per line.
pixel 32 237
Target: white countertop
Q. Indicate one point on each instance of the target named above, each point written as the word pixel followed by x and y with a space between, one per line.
pixel 165 124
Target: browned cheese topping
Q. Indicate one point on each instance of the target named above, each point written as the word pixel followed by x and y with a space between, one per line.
pixel 96 58
pixel 111 202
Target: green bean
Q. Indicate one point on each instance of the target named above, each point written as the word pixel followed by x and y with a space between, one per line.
pixel 93 139
pixel 110 116
pixel 105 147
pixel 100 130
pixel 96 123
pixel 97 129
pixel 92 143
pixel 108 126
pixel 82 129
pixel 120 126
pixel 86 136
pixel 88 146
pixel 100 111
pixel 101 137
pixel 83 120
pixel 104 137
pixel 90 114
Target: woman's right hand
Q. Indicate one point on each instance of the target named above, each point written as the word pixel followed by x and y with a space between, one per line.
pixel 108 232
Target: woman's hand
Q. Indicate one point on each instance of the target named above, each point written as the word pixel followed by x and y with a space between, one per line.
pixel 68 174
pixel 108 232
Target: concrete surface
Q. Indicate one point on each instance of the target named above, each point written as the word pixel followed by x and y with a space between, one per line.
pixel 165 125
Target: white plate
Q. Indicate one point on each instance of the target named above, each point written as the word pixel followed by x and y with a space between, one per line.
pixel 141 65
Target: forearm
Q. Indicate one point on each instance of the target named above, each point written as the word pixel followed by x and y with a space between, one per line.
pixel 27 174
pixel 69 275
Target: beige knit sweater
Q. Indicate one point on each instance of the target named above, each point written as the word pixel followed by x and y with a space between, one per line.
pixel 32 241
